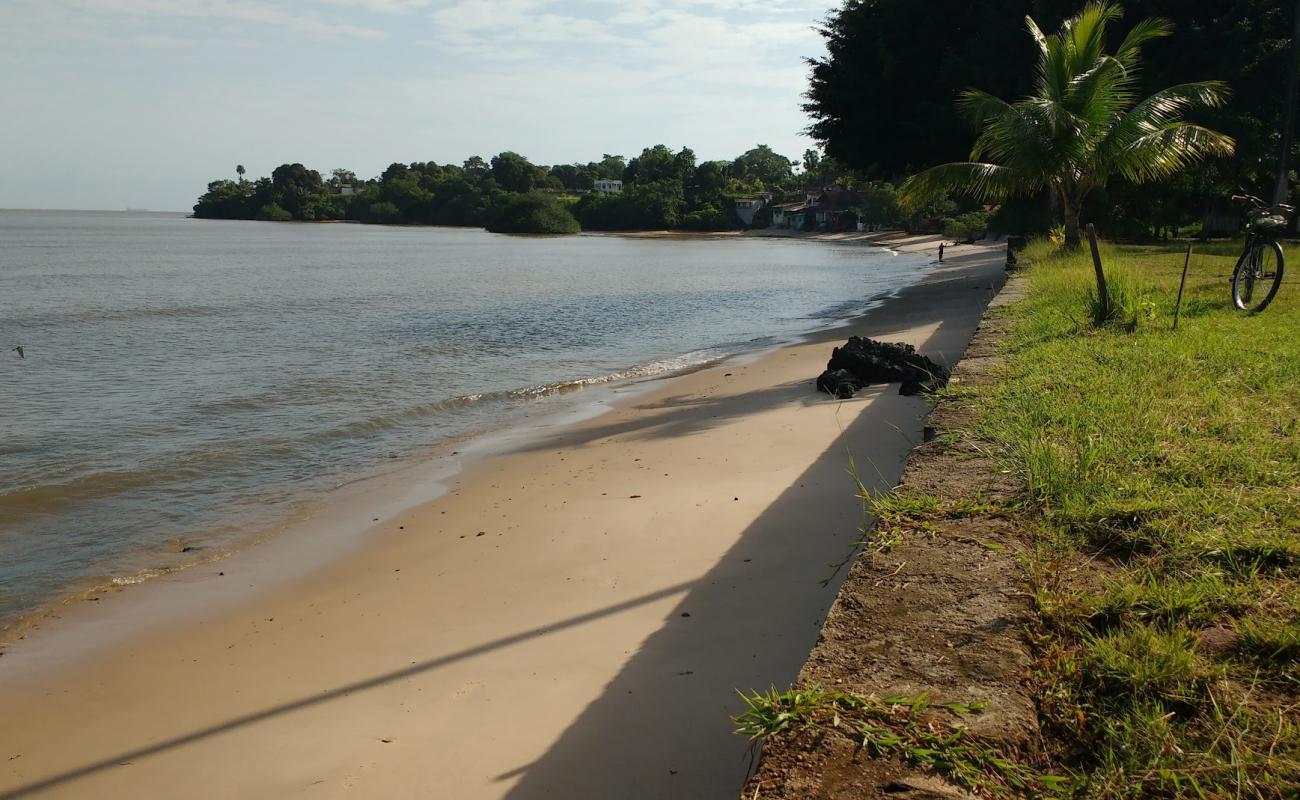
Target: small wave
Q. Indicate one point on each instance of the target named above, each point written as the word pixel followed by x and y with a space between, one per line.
pixel 53 492
pixel 40 498
pixel 381 422
pixel 139 577
pixel 92 315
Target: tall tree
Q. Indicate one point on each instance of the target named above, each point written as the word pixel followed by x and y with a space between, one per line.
pixel 882 100
pixel 239 170
pixel 513 172
pixel 765 164
pixel 1082 125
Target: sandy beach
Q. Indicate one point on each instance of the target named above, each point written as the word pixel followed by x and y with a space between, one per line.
pixel 571 620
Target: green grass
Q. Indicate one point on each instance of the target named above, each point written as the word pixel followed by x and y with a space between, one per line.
pixel 913 729
pixel 1162 481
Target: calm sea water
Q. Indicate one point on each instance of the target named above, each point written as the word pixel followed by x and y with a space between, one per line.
pixel 185 381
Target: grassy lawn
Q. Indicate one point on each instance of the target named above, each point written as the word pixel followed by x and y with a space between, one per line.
pixel 1163 478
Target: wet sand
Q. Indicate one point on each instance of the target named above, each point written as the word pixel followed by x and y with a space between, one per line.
pixel 571 620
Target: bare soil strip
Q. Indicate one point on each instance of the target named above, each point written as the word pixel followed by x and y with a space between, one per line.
pixel 934 604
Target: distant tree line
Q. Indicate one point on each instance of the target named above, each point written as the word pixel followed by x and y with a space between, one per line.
pixel 883 99
pixel 662 189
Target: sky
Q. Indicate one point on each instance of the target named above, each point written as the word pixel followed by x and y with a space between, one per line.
pixel 139 103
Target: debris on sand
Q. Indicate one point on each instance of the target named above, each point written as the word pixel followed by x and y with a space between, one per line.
pixel 862 362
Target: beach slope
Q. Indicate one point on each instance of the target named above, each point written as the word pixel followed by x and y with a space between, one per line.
pixel 572 619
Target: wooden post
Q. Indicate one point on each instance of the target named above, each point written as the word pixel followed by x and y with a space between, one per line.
pixel 1101 276
pixel 1179 306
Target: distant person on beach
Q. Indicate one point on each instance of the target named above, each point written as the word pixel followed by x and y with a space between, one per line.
pixel 19 351
pixel 940 252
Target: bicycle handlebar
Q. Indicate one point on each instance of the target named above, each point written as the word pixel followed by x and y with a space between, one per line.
pixel 1259 203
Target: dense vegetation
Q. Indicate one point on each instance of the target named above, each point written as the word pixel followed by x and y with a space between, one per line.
pixel 883 100
pixel 1084 124
pixel 1161 470
pixel 663 189
pixel 533 213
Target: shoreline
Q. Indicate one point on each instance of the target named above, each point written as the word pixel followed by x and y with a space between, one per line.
pixel 478 610
pixel 891 239
pixel 444 459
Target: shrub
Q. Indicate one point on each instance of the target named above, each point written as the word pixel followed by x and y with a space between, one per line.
pixel 533 213
pixel 966 227
pixel 709 218
pixel 272 212
pixel 384 213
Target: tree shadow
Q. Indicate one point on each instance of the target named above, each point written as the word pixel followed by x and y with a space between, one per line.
pixel 662 727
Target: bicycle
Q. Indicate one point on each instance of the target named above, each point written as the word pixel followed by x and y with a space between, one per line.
pixel 1258 273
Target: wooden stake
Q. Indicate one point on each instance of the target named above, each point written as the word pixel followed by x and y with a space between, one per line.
pixel 1179 306
pixel 1101 276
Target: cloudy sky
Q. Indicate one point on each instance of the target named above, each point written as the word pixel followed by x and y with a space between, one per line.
pixel 116 103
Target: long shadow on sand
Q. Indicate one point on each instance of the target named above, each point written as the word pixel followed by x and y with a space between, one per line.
pixel 661 728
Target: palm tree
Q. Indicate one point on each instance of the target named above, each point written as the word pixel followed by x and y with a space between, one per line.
pixel 239 168
pixel 1082 124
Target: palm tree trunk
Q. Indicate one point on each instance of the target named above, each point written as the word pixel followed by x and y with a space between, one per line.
pixel 1071 210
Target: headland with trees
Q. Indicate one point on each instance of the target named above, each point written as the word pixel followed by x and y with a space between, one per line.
pixel 659 189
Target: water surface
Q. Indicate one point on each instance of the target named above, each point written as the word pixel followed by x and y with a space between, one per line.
pixel 189 381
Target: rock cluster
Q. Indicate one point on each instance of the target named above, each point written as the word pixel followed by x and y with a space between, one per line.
pixel 861 362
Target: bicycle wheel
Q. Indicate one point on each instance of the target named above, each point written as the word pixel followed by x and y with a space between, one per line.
pixel 1257 277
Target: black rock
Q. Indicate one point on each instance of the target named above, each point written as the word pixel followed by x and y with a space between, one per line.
pixel 861 362
pixel 839 382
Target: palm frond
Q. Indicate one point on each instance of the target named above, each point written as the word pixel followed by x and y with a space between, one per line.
pixel 1168 150
pixel 1087 34
pixel 981 181
pixel 1053 75
pixel 1141 33
pixel 1098 94
pixel 1037 34
pixel 978 106
pixel 1157 112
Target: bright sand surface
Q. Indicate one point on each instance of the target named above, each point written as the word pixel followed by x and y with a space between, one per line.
pixel 571 620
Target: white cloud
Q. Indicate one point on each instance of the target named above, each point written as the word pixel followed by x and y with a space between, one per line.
pixel 153 98
pixel 381 6
pixel 49 19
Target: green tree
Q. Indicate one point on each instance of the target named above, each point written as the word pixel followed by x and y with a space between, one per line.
pixel 239 170
pixel 610 167
pixel 659 163
pixel 880 206
pixel 1082 125
pixel 297 190
pixel 226 199
pixel 875 61
pixel 881 99
pixel 657 205
pixel 574 177
pixel 533 213
pixel 513 172
pixel 765 164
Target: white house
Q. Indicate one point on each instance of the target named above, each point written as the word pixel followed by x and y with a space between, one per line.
pixel 747 207
pixel 609 187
